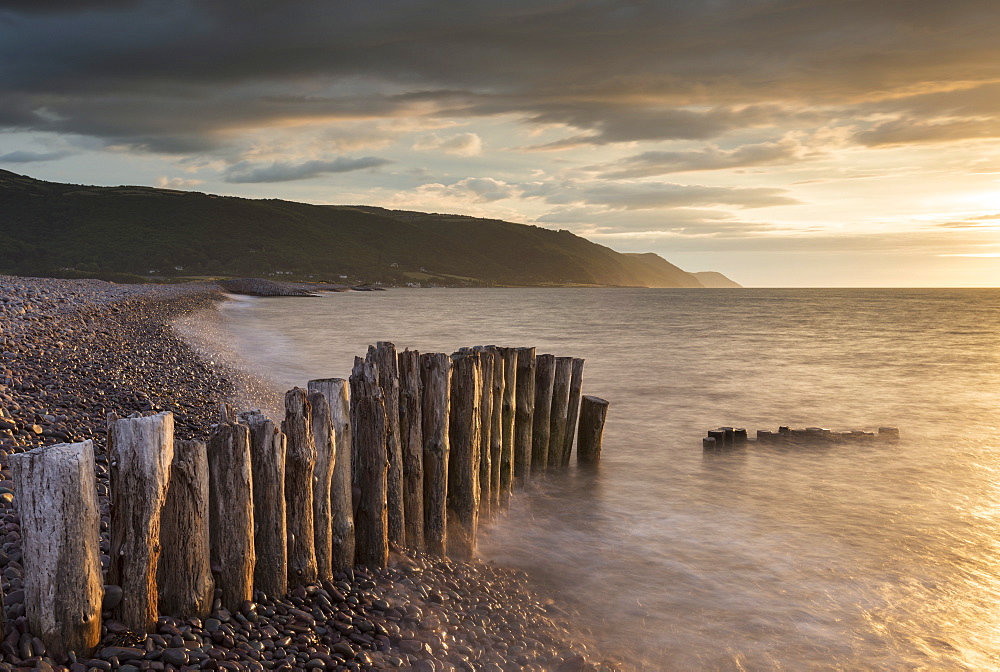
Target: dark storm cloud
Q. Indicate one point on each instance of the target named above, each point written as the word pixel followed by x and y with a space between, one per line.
pixel 245 172
pixel 158 74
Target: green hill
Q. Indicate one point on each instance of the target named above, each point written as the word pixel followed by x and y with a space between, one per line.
pixel 47 227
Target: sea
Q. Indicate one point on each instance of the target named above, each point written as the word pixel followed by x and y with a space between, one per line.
pixel 882 556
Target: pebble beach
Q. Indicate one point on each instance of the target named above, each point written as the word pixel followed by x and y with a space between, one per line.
pixel 74 351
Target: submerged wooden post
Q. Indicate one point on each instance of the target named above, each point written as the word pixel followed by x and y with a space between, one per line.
pixel 545 373
pixel 560 411
pixel 412 445
pixel 507 422
pixel 270 539
pixel 486 428
pixel 435 378
pixel 368 423
pixel 230 515
pixel 573 413
pixel 384 354
pixel 463 463
pixel 141 450
pixel 593 413
pixel 300 462
pixel 63 587
pixel 524 413
pixel 184 574
pixel 326 452
pixel 496 427
pixel 337 394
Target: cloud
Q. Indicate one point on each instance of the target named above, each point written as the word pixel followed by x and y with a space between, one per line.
pixel 654 195
pixel 473 189
pixel 23 156
pixel 165 182
pixel 462 144
pixel 908 131
pixel 279 171
pixel 654 163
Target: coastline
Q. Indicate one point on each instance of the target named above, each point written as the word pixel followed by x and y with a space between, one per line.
pixel 75 350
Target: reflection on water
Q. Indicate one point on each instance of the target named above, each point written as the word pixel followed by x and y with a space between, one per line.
pixel 844 557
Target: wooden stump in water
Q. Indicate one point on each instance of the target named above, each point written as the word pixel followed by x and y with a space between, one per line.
pixel 560 411
pixel 326 454
pixel 435 378
pixel 525 413
pixel 140 450
pixel 463 463
pixel 545 373
pixel 573 414
pixel 485 358
pixel 508 410
pixel 337 394
pixel 184 574
pixel 230 516
pixel 368 423
pixel 300 462
pixel 270 540
pixel 412 445
pixel 496 428
pixel 593 413
pixel 63 587
pixel 385 358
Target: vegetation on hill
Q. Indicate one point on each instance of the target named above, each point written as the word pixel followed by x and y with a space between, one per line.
pixel 47 228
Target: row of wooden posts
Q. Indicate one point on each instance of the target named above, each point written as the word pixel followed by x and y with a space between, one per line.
pixel 410 451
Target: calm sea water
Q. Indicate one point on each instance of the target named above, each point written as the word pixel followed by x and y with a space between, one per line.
pixel 876 557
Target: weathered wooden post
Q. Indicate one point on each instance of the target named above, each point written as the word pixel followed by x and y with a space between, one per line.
pixel 270 539
pixel 368 424
pixel 496 427
pixel 412 444
pixel 463 463
pixel 184 574
pixel 593 413
pixel 573 414
pixel 486 427
pixel 525 413
pixel 63 587
pixel 545 373
pixel 337 394
pixel 140 450
pixel 300 462
pixel 384 354
pixel 326 454
pixel 230 515
pixel 560 411
pixel 507 422
pixel 435 378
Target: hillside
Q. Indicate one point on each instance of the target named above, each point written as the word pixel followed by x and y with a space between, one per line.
pixel 715 280
pixel 47 226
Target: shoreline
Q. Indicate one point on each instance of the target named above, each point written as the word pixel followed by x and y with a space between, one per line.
pixel 75 350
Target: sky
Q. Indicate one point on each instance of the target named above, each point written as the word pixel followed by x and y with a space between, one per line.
pixel 785 143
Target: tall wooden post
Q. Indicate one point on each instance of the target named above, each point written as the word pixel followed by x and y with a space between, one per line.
pixel 435 378
pixel 540 430
pixel 496 427
pixel 412 444
pixel 63 587
pixel 485 460
pixel 575 386
pixel 560 410
pixel 509 356
pixel 525 412
pixel 300 462
pixel 326 454
pixel 593 413
pixel 141 450
pixel 368 423
pixel 337 394
pixel 384 354
pixel 230 516
pixel 184 574
pixel 463 463
pixel 270 539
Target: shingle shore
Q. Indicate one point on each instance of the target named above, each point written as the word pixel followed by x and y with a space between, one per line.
pixel 73 350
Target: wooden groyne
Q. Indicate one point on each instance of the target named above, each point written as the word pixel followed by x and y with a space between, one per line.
pixel 731 437
pixel 413 451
